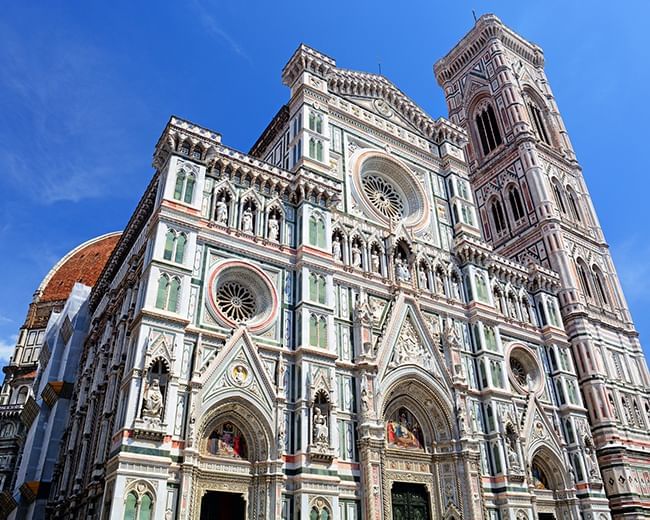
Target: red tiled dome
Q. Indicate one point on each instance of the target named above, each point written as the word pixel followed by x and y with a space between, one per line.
pixel 83 264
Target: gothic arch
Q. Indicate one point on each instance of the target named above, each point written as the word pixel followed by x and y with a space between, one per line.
pixel 550 463
pixel 415 389
pixel 254 423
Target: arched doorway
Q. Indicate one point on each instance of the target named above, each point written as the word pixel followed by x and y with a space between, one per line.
pixel 420 465
pixel 229 477
pixel 549 481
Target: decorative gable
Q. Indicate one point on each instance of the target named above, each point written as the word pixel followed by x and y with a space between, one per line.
pixel 238 369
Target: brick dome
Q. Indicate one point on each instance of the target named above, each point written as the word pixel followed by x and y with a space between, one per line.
pixel 83 264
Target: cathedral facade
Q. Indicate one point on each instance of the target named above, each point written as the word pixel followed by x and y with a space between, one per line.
pixel 371 315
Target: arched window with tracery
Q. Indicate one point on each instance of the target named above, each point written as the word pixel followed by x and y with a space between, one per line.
pixel 498 217
pixel 168 292
pixel 317 288
pixel 138 506
pixel 317 231
pixel 487 128
pixel 581 267
pixel 600 284
pixel 516 205
pixel 559 197
pixel 184 188
pixel 316 122
pixel 318 331
pixel 538 122
pixel 573 205
pixel 175 246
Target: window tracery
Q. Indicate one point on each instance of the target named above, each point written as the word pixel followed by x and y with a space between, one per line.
pixel 184 188
pixel 487 128
pixel 168 293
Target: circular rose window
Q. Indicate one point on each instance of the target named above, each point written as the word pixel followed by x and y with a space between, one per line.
pixel 236 301
pixel 240 293
pixel 524 369
pixel 388 191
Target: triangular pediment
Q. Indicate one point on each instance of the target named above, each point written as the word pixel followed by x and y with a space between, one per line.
pixel 473 84
pixel 381 107
pixel 410 341
pixel 538 430
pixel 160 346
pixel 376 94
pixel 238 369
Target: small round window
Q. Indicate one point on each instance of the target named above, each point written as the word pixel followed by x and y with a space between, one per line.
pixel 240 293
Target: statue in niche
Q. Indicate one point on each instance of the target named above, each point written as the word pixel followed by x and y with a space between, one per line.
pixel 511 448
pixel 590 458
pixel 153 401
pixel 321 431
pixel 455 288
pixel 451 335
pixel 439 281
pixel 356 255
pixel 222 211
pixel 512 308
pixel 374 261
pixel 401 269
pixel 247 220
pixel 403 431
pixel 525 314
pixel 365 401
pixel 274 227
pixel 422 278
pixel 336 248
pixel 282 434
pixel 460 414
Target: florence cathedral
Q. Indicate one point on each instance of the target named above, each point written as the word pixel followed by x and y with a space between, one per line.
pixel 371 315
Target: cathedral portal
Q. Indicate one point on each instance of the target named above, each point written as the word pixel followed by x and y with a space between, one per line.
pixel 218 505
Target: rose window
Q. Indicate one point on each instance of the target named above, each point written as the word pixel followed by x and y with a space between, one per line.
pixel 383 196
pixel 240 293
pixel 525 370
pixel 389 191
pixel 236 301
pixel 518 371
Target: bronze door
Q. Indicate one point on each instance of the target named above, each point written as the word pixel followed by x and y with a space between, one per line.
pixel 410 502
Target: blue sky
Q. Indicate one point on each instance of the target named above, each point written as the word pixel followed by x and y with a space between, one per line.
pixel 86 89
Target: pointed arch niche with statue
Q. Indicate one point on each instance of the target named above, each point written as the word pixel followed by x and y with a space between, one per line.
pixel 423 469
pixel 233 464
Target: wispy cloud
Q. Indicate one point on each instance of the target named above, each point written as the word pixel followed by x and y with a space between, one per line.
pixel 7 349
pixel 210 22
pixel 59 117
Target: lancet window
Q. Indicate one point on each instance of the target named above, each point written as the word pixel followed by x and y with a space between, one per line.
pixel 488 129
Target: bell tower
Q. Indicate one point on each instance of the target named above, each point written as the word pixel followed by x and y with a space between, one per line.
pixel 535 208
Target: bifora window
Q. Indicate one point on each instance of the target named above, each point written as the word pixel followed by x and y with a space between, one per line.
pixel 488 129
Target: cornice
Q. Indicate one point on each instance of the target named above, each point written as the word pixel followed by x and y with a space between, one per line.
pixel 132 231
pixel 347 82
pixel 488 27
